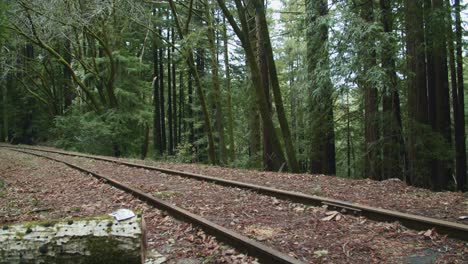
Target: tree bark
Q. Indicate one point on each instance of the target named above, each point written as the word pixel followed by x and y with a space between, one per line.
pixel 161 98
pixel 393 159
pixel 321 128
pixel 174 90
pixel 169 97
pixel 367 56
pixel 262 102
pixel 460 133
pixel 418 122
pixel 232 147
pixel 91 240
pixel 441 124
pixel 157 137
pixel 222 152
pixel 5 109
pixel 275 86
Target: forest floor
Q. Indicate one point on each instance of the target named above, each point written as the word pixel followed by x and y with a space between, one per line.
pixel 312 234
pixel 33 189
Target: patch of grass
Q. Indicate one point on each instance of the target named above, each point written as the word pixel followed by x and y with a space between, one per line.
pixel 75 209
pixel 317 190
pixel 167 194
pixel 2 188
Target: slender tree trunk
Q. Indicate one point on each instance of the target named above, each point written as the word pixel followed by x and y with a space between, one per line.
pixel 222 153
pixel 348 135
pixel 67 78
pixel 460 133
pixel 145 143
pixel 174 90
pixel 181 106
pixel 419 165
pixel 157 140
pixel 287 138
pixel 5 108
pixel 169 98
pixel 190 111
pixel 322 137
pixel 161 98
pixel 232 147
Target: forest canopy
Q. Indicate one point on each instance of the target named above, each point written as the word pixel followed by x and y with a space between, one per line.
pixel 354 88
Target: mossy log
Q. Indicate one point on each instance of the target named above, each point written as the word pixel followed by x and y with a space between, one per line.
pixel 81 240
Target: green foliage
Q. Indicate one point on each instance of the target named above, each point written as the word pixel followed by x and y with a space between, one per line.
pixel 98 133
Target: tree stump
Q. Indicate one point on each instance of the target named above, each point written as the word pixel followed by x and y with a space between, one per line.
pixel 99 239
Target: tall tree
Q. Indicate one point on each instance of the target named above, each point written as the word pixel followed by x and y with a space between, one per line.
pixel 227 70
pixel 182 31
pixel 322 134
pixel 216 90
pixel 262 102
pixel 170 120
pixel 417 93
pixel 260 10
pixel 460 133
pixel 441 125
pixel 393 150
pixel 368 58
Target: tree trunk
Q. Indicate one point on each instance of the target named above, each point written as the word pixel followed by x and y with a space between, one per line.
pixel 262 102
pixel 269 163
pixel 419 165
pixel 157 137
pixel 321 128
pixel 367 56
pixel 393 143
pixel 68 94
pixel 460 133
pixel 174 91
pixel 91 240
pixel 181 115
pixel 442 174
pixel 287 138
pixel 161 98
pixel 145 143
pixel 5 108
pixel 190 111
pixel 222 153
pixel 232 147
pixel 169 97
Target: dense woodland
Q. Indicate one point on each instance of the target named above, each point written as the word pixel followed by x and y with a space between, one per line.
pixel 354 88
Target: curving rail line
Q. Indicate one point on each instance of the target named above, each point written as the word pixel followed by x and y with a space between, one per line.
pixel 452 229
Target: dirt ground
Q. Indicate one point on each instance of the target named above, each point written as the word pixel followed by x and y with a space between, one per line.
pixel 33 189
pixel 311 234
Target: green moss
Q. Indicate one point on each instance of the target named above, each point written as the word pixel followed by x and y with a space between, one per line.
pixel 52 222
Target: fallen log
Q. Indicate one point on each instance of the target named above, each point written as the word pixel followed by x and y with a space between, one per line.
pixel 100 239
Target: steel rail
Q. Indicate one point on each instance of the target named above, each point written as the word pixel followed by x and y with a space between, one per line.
pixel 412 221
pixel 242 243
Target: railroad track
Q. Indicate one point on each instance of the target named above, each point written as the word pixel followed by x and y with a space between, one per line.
pixel 454 230
pixel 242 243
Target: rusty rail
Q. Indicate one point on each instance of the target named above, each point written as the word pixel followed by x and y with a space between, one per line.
pixel 258 250
pixel 452 229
